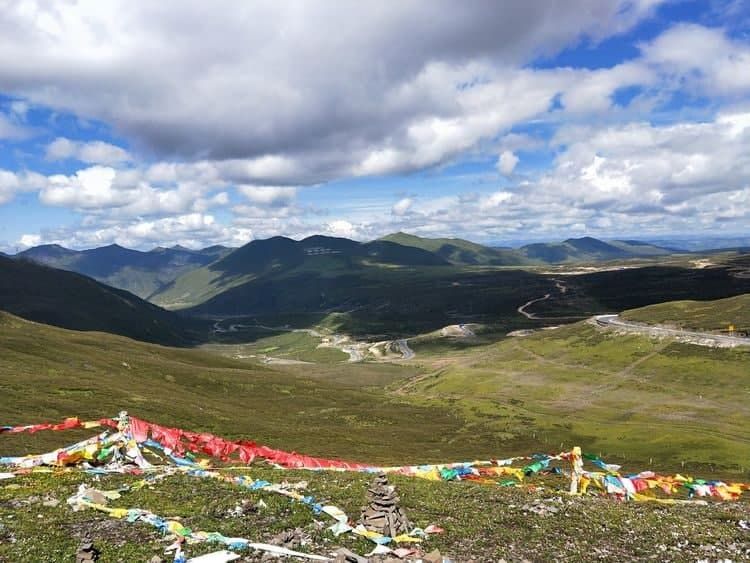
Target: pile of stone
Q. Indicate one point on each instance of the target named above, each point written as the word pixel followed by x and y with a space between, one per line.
pixel 382 514
pixel 87 552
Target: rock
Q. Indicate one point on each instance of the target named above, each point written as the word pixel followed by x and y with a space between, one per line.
pixel 382 514
pixel 291 539
pixel 433 557
pixel 87 552
pixel 52 503
pixel 343 555
pixel 156 559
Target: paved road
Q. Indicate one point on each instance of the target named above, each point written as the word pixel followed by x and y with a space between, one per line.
pixel 706 338
pixel 406 352
pixel 522 308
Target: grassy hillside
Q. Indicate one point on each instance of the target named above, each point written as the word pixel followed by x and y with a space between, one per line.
pixel 628 397
pixel 588 249
pixel 458 251
pixel 387 301
pixel 709 316
pixel 283 257
pixel 140 273
pixel 48 373
pixel 74 301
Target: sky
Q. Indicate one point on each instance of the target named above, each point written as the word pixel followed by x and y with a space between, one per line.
pixel 198 123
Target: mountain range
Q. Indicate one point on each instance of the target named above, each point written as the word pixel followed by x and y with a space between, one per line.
pixel 140 273
pixel 70 300
pixel 397 285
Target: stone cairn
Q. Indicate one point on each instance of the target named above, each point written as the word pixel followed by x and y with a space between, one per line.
pixel 382 514
pixel 87 552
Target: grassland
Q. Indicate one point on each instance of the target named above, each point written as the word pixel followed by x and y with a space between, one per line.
pixel 715 315
pixel 288 345
pixel 627 398
pixel 48 373
pixel 481 523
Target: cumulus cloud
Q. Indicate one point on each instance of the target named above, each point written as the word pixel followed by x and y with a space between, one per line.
pixel 12 183
pixel 506 163
pixel 193 230
pixel 402 206
pixel 91 152
pixel 229 107
pixel 131 192
pixel 274 196
pixel 342 228
pixel 11 130
pixel 704 57
pixel 242 82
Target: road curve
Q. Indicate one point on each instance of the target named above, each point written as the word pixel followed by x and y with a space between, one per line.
pixel 406 352
pixel 522 308
pixel 704 338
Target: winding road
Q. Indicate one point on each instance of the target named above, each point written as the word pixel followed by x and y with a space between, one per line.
pixel 704 338
pixel 522 308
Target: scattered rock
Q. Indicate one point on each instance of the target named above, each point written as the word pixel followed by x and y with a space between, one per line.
pixel 433 557
pixel 343 555
pixel 291 539
pixel 51 502
pixel 540 507
pixel 87 552
pixel 382 514
pixel 156 559
pixel 241 509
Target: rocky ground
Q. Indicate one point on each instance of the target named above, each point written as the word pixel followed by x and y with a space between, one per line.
pixel 481 523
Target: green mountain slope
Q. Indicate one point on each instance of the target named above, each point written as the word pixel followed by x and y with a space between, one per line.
pixel 629 397
pixel 47 373
pixel 588 249
pixel 140 273
pixel 716 315
pixel 316 257
pixel 459 251
pixel 490 405
pixel 70 300
pixel 383 288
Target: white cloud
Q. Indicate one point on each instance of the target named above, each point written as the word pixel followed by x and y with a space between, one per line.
pixel 412 84
pixel 342 228
pixel 91 152
pixel 11 130
pixel 274 196
pixel 402 206
pixel 703 57
pixel 12 183
pixel 506 163
pixel 91 188
pixel 193 230
pixel 27 241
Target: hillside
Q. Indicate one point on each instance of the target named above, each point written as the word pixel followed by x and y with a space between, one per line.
pixel 281 274
pixel 585 249
pixel 709 316
pixel 47 373
pixel 70 300
pixel 458 251
pixel 588 249
pixel 627 400
pixel 630 397
pixel 140 273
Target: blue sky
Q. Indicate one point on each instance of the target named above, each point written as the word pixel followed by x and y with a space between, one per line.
pixel 183 123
